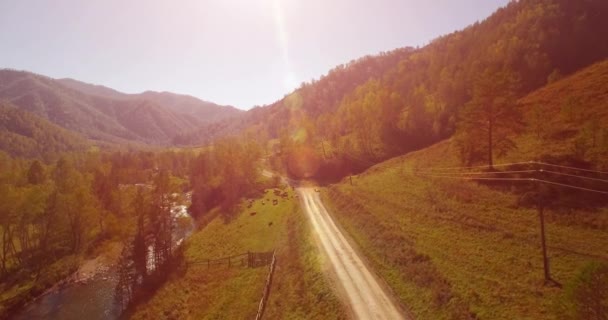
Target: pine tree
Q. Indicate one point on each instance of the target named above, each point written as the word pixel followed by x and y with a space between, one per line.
pixel 491 116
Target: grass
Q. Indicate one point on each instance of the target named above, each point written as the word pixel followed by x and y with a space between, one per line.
pixel 452 248
pixel 564 119
pixel 458 249
pixel 299 286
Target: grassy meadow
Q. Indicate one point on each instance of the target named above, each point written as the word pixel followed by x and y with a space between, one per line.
pixel 457 249
pixel 299 286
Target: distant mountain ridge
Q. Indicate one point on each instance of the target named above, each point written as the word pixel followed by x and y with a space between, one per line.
pixel 203 111
pixel 103 114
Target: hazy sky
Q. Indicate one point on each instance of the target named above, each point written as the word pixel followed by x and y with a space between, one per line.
pixel 238 52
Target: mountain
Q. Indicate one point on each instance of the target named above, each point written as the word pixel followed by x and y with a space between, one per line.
pixel 312 99
pixel 415 97
pixel 106 115
pixel 92 89
pixel 23 134
pixel 461 236
pixel 199 111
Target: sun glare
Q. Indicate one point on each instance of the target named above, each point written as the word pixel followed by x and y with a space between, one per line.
pixel 289 80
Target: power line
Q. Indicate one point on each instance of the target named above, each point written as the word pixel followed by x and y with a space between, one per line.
pixel 567 167
pixel 570 186
pixel 573 175
pixel 540 206
pixel 478 173
pixel 473 178
pixel 539 163
pixel 518 179
pixel 515 171
pixel 484 166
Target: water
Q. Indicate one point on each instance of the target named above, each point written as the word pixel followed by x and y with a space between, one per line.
pixel 93 300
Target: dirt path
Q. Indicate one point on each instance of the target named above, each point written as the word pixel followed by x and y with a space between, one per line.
pixel 366 297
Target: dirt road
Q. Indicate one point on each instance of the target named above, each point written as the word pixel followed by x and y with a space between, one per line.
pixel 366 297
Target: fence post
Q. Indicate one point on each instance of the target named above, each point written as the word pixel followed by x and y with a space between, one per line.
pixel 266 293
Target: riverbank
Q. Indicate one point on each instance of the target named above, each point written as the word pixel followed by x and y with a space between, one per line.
pixel 20 293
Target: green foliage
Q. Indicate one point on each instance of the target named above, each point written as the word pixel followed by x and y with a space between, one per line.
pixel 225 174
pixel 405 100
pixel 491 116
pixel 453 249
pixel 36 173
pixel 564 119
pixel 97 113
pixel 587 294
pixel 299 288
pixel 56 213
pixel 23 134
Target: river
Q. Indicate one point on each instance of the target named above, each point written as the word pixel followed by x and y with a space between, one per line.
pixel 93 299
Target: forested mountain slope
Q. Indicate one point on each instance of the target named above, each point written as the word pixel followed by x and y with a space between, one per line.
pixel 102 114
pixel 200 112
pixel 23 134
pixel 311 99
pixel 417 98
pixel 472 249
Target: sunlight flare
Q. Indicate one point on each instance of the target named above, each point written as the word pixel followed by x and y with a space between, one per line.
pixel 289 79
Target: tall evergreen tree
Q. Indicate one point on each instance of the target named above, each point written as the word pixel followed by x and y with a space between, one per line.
pixel 487 122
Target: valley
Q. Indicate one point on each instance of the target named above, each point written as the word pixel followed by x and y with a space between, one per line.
pixel 463 178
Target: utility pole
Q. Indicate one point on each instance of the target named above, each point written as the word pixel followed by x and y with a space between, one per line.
pixel 323 146
pixel 541 215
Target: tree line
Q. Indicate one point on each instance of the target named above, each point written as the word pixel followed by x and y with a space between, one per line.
pixel 55 212
pixel 464 85
pixel 218 177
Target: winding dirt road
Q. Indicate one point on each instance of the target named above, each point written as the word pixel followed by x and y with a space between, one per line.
pixel 366 297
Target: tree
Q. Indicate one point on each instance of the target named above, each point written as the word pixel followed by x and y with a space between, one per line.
pixel 74 204
pixel 491 113
pixel 140 243
pixel 9 199
pixel 36 173
pixel 161 219
pixel 31 210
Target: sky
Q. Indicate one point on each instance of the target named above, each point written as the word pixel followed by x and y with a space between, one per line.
pixel 232 52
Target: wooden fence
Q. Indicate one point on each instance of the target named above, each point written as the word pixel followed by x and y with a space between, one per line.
pixel 262 305
pixel 248 259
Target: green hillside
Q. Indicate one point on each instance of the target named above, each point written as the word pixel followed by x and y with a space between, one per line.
pixel 106 115
pixel 415 97
pixel 567 119
pixel 23 134
pixel 199 112
pixel 452 248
